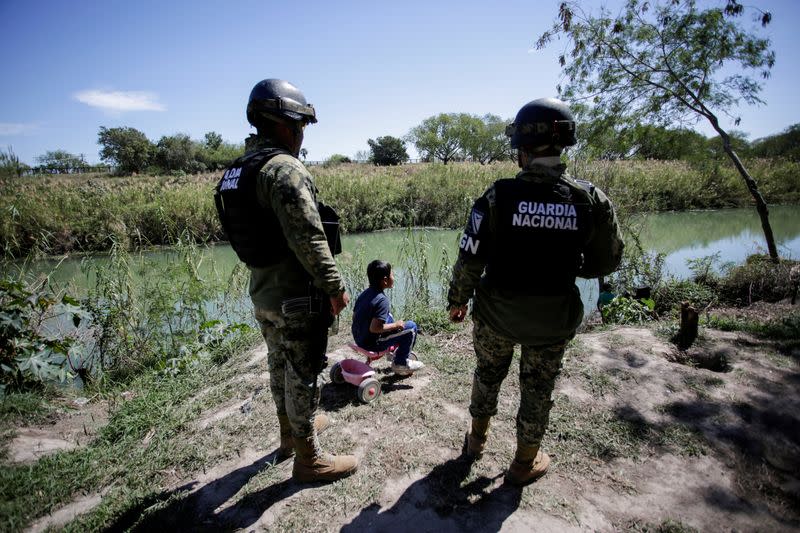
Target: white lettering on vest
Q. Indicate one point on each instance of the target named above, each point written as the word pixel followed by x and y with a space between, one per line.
pixel 542 215
pixel 468 244
pixel 230 180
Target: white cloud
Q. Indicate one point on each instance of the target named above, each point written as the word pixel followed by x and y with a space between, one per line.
pixel 118 101
pixel 15 128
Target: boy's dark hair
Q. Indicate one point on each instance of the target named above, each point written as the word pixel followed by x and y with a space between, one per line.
pixel 376 271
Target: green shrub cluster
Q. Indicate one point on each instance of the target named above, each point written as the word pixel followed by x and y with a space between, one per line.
pixel 32 351
pixel 758 279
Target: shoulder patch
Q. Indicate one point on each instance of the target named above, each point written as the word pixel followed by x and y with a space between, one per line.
pixel 475 219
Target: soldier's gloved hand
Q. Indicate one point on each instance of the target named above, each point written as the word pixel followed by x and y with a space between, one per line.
pixel 339 302
pixel 458 313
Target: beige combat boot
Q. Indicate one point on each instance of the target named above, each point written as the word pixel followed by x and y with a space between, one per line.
pixel 311 464
pixel 476 438
pixel 529 464
pixel 286 448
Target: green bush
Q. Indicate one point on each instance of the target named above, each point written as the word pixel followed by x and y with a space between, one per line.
pixel 336 159
pixel 624 310
pixel 758 279
pixel 32 349
pixel 669 295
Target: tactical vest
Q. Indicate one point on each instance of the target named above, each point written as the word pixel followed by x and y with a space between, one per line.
pixel 541 230
pixel 253 231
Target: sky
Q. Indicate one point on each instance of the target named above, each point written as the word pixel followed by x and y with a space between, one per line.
pixel 370 68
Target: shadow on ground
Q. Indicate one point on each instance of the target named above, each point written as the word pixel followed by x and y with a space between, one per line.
pixel 439 502
pixel 184 510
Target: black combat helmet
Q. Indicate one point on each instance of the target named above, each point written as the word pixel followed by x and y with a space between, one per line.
pixel 278 100
pixel 542 123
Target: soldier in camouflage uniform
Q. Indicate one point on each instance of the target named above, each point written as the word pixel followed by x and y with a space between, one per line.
pixel 526 240
pixel 268 206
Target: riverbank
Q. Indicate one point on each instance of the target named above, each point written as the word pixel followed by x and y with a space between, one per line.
pixel 60 214
pixel 638 440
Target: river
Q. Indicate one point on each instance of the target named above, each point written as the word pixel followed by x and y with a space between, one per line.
pixel 732 233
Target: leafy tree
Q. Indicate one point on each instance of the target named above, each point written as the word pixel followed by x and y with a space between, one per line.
pixel 665 63
pixel 62 162
pixel 658 142
pixel 785 144
pixel 213 140
pixel 387 151
pixel 303 153
pixel 738 142
pixel 127 148
pixel 178 153
pixel 441 136
pixel 484 139
pixel 220 157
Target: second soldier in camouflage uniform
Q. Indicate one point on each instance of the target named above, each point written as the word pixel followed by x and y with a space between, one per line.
pixel 526 240
pixel 268 205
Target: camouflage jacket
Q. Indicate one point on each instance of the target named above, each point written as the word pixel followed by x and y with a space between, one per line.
pixel 529 318
pixel 286 187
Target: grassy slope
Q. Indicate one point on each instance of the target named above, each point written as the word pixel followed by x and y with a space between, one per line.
pixel 194 452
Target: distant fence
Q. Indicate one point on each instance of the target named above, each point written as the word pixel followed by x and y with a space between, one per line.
pixel 52 171
pixel 103 169
pixel 358 161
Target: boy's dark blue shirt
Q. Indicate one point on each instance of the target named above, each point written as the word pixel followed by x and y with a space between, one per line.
pixel 372 303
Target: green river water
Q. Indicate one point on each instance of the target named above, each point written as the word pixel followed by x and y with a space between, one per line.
pixel 731 233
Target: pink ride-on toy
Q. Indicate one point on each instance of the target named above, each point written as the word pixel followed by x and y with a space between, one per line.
pixel 361 374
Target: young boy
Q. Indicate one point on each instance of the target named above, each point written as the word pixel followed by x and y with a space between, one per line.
pixel 375 329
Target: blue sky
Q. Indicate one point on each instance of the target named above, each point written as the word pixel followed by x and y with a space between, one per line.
pixel 370 68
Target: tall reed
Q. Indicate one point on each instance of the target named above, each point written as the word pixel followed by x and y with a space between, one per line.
pixel 61 214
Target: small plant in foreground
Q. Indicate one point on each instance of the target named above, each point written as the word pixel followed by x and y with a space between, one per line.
pixel 31 353
pixel 625 310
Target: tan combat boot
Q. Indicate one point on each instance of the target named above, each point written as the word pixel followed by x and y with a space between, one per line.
pixel 476 438
pixel 310 464
pixel 286 448
pixel 529 464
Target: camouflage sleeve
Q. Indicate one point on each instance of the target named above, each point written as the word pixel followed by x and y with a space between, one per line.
pixel 293 197
pixel 603 253
pixel 473 251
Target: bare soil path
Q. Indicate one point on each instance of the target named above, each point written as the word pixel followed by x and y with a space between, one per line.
pixel 639 441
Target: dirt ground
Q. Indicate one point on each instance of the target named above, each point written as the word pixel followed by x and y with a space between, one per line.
pixel 640 440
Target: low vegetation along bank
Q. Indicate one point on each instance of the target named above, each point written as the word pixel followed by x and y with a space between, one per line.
pixel 59 214
pixel 178 431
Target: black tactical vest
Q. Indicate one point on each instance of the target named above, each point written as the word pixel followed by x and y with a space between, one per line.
pixel 540 232
pixel 253 231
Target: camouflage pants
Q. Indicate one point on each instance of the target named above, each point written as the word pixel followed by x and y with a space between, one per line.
pixel 539 368
pixel 296 355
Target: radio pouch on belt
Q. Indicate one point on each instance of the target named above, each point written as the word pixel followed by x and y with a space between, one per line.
pixel 330 223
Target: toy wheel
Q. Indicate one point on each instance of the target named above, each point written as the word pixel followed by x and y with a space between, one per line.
pixel 413 356
pixel 369 389
pixel 336 374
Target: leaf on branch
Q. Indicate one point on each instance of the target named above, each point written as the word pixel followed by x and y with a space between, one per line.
pixel 766 18
pixel 733 8
pixel 565 15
